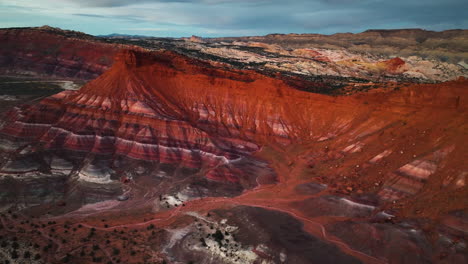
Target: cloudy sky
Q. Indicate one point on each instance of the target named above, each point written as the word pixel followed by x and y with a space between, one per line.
pixel 175 18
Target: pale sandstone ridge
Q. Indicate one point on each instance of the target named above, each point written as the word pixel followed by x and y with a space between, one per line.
pixel 371 56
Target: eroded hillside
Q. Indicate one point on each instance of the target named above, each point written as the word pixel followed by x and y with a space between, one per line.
pixel 169 158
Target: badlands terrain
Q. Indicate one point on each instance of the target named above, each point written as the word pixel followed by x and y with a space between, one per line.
pixel 348 148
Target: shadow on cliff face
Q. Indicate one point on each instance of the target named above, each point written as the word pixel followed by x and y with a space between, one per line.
pixel 18 90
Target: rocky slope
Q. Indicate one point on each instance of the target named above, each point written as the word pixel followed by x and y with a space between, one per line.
pixel 53 52
pixel 135 111
pixel 375 56
pixel 449 45
pixel 371 56
pixel 165 158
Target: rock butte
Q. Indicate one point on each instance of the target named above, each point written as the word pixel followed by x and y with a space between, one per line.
pixel 253 150
pixel 161 106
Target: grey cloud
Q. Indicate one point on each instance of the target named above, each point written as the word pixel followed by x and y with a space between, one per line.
pixel 269 16
pixel 370 14
pixel 120 17
pixel 91 15
pixel 118 3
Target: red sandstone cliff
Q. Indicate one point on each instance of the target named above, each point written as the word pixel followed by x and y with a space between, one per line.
pixel 168 108
pixel 53 52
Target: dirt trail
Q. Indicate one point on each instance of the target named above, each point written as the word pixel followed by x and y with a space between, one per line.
pixel 284 196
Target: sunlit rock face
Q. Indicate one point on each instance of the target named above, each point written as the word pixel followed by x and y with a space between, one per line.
pixel 155 108
pixel 136 111
pixel 195 158
pixel 374 55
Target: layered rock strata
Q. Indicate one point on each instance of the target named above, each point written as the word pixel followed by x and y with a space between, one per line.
pixel 166 108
